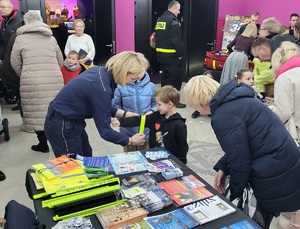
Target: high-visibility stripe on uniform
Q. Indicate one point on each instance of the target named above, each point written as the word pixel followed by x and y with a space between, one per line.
pixel 160 25
pixel 165 50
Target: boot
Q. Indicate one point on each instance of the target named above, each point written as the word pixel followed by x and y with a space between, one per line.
pixel 42 146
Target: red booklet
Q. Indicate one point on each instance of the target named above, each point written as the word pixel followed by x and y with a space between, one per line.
pixel 185 190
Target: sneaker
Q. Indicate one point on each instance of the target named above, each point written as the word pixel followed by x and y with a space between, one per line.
pixel 195 114
pixel 180 105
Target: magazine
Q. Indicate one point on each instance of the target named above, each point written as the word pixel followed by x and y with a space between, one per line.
pixel 177 219
pixel 245 224
pixel 128 162
pixel 154 200
pixel 185 190
pixel 210 209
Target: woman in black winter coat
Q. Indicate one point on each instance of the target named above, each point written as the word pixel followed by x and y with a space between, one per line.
pixel 258 148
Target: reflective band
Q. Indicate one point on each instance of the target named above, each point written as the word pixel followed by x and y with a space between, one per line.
pixel 165 50
pixel 142 124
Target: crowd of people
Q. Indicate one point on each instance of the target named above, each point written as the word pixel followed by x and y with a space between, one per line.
pixel 261 143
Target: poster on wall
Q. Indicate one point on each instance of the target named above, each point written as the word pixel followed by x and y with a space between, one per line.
pixel 231 27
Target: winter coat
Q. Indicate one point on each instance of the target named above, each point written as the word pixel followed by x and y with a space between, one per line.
pixel 137 97
pixel 168 34
pixel 287 96
pixel 36 58
pixel 258 149
pixel 169 133
pixel 8 27
pixel 10 79
pixel 263 74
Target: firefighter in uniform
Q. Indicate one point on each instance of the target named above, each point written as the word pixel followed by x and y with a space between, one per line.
pixel 169 47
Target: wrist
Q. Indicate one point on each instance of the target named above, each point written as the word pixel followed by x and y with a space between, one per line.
pixel 130 141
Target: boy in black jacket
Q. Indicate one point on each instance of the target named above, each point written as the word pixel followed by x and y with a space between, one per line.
pixel 167 127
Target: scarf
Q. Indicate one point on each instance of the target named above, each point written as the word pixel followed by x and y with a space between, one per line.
pixel 293 62
pixel 72 68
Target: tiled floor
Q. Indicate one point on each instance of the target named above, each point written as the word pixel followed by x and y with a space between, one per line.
pixel 16 157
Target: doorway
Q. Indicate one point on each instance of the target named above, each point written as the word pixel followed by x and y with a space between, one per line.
pixel 104 30
pixel 200 20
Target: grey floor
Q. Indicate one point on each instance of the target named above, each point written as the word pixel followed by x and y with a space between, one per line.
pixel 16 156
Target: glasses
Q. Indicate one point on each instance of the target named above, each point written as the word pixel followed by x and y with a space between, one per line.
pixel 3 7
pixel 262 29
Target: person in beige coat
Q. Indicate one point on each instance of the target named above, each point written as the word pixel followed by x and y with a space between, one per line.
pixel 286 65
pixel 37 59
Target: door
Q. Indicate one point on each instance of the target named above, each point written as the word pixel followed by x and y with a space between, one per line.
pixel 104 30
pixel 200 26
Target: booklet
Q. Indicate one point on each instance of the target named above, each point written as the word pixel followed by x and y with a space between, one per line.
pixel 177 219
pixel 95 162
pixel 210 209
pixel 128 162
pixel 185 190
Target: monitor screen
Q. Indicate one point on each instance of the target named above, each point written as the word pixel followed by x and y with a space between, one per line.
pixel 69 24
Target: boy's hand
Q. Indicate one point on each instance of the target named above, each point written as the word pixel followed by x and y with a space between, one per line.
pixel 115 122
pixel 130 114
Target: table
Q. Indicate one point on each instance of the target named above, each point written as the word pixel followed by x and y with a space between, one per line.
pixel 46 214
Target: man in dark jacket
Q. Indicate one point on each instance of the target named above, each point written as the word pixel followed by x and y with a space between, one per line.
pixel 11 21
pixel 258 148
pixel 253 19
pixel 169 47
pixel 10 18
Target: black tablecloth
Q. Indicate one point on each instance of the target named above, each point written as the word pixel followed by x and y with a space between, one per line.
pixel 46 214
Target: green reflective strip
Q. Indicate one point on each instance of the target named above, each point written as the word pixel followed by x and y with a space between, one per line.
pixel 88 212
pixel 165 50
pixel 142 125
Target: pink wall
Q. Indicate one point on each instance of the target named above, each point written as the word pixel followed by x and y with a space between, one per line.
pixel 280 9
pixel 15 3
pixel 124 25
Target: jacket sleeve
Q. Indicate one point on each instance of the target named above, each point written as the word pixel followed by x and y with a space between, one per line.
pixel 102 115
pixel 176 37
pixel 231 44
pixel 233 139
pixel 91 48
pixel 283 98
pixel 130 121
pixel 15 57
pixel 116 101
pixel 153 102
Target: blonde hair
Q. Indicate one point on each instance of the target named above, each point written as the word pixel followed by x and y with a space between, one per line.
pixel 78 21
pixel 250 31
pixel 286 51
pixel 31 17
pixel 73 52
pixel 200 90
pixel 9 3
pixel 124 63
pixel 284 30
pixel 272 25
pixel 168 93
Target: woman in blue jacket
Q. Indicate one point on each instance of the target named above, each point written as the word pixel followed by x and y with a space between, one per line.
pixel 258 148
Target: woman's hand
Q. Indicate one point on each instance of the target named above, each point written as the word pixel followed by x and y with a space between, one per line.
pixel 115 122
pixel 219 183
pixel 138 139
